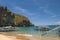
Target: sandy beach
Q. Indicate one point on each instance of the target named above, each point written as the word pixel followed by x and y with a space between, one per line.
pixel 17 36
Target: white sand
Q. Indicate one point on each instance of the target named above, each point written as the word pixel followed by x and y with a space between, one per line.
pixel 3 37
pixel 9 36
pixel 25 35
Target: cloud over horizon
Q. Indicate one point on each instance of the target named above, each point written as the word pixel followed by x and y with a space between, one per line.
pixel 58 22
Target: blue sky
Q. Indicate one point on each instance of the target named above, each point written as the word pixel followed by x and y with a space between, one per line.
pixel 39 12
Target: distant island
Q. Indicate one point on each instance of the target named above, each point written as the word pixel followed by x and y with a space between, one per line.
pixel 8 18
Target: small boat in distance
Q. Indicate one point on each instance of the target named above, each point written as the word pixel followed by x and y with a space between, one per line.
pixel 7 28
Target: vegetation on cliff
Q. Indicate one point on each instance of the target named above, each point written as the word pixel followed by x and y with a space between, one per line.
pixel 9 18
pixel 22 20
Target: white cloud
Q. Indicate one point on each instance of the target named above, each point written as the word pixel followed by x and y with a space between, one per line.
pixel 21 9
pixel 45 9
pixel 54 16
pixel 24 11
pixel 58 22
pixel 50 13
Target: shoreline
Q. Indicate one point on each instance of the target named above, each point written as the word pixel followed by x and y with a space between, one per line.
pixel 17 36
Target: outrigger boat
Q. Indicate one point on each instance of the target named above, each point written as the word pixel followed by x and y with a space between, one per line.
pixel 7 28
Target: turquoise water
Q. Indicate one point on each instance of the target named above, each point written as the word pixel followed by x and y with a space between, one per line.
pixel 32 31
pixel 28 30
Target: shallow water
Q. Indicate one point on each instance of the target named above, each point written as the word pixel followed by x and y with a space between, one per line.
pixel 28 30
pixel 32 31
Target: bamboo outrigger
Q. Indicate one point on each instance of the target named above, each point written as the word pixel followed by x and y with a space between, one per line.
pixel 7 28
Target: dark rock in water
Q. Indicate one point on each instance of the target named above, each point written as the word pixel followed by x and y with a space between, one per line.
pixel 9 18
pixel 42 29
pixel 53 26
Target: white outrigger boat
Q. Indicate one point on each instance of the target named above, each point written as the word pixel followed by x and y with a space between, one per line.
pixel 7 28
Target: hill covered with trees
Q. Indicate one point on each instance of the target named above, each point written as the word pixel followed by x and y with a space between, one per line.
pixel 8 18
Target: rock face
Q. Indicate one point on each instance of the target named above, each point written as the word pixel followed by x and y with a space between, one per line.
pixel 9 18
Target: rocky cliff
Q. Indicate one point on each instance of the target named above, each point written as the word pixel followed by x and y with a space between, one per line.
pixel 9 18
pixel 22 21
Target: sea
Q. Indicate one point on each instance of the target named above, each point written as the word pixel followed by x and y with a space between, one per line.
pixel 31 30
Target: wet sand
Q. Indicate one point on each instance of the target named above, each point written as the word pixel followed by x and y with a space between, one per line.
pixel 18 36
